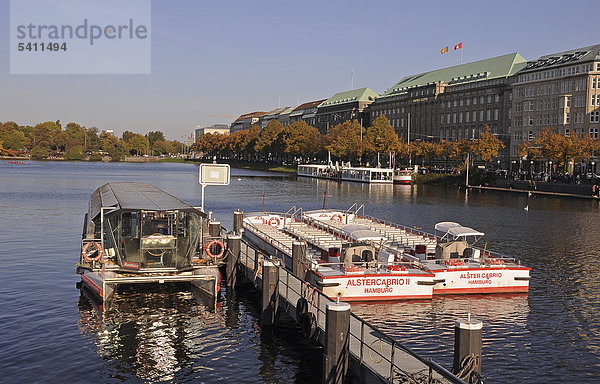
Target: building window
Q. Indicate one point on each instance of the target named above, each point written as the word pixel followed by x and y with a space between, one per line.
pixel 489 99
pixel 594 133
pixel 496 114
pixel 481 100
pixel 593 99
pixel 455 103
pixel 567 118
pixel 454 118
pixel 474 116
pixel 448 118
pixel 530 121
pixel 467 115
pixel 460 118
pixel 568 101
pixel 567 132
pixel 481 115
pixel 460 102
pixel 474 101
pixel 489 115
pixel 530 136
pixel 468 101
pixel 594 116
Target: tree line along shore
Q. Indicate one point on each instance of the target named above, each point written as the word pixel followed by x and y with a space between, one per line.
pixel 287 146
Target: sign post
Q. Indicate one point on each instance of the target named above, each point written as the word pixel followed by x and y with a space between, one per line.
pixel 213 174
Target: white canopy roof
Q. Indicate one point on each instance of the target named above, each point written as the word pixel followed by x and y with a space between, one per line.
pixel 464 231
pixel 349 228
pixel 365 234
pixel 444 226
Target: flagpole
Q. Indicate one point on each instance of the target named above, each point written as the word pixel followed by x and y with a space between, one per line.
pixel 461 50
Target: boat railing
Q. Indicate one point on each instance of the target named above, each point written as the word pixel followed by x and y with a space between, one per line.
pixel 381 354
pixel 265 236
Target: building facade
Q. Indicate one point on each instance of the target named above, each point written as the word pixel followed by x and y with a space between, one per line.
pixel 349 105
pixel 245 121
pixel 215 128
pixel 560 91
pixel 306 112
pixel 453 103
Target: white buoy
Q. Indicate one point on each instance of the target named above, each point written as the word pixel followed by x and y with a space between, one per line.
pixel 526 208
pixel 239 179
pixel 528 193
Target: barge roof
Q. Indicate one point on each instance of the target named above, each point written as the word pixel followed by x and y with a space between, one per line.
pixel 134 196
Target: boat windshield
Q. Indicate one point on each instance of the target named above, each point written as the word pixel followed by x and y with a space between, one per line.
pixel 152 239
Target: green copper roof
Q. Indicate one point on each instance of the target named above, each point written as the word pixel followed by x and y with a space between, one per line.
pixel 287 111
pixel 362 94
pixel 496 67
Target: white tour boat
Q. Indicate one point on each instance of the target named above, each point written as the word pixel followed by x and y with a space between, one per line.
pixel 348 173
pixel 403 176
pixel 458 265
pixel 349 270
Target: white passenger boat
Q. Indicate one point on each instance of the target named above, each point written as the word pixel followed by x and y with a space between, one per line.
pixel 349 270
pixel 459 266
pixel 403 176
pixel 136 233
pixel 347 173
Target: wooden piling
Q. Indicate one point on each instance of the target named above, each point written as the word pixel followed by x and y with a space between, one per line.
pixel 299 249
pixel 234 245
pixel 270 293
pixel 214 229
pixel 335 355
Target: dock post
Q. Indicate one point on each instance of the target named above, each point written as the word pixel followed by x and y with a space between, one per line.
pixel 270 293
pixel 214 229
pixel 238 222
pixel 234 245
pixel 299 258
pixel 467 342
pixel 335 364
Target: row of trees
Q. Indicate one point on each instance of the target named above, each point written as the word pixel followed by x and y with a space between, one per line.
pixel 346 141
pixel 559 149
pixel 76 142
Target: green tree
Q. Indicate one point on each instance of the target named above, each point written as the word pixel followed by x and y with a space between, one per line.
pixel 113 146
pixel 488 145
pixel 74 153
pixel 301 139
pixel 46 134
pixel 269 139
pixel 381 137
pixel 15 141
pixel 155 136
pixel 344 140
pixel 138 144
pixel 40 151
pixel 127 135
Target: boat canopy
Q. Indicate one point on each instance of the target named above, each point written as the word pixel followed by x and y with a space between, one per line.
pixel 366 235
pixel 350 228
pixel 444 226
pixel 135 196
pixel 464 231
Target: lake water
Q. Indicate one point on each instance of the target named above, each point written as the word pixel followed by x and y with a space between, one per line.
pixel 50 332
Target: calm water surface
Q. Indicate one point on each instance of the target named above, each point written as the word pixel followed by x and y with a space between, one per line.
pixel 50 332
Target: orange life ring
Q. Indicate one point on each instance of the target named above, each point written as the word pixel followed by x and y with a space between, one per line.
pixel 85 254
pixel 336 217
pixel 454 263
pixel 209 252
pixel 275 220
pixel 396 268
pixel 353 268
pixel 264 221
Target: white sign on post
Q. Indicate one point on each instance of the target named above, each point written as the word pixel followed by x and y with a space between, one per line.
pixel 213 174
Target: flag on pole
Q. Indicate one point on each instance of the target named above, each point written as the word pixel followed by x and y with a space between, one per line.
pixel 458 46
pixel 444 50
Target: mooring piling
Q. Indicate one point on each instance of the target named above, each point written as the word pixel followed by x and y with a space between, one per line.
pixel 238 222
pixel 299 249
pixel 335 354
pixel 270 293
pixel 467 347
pixel 214 229
pixel 234 245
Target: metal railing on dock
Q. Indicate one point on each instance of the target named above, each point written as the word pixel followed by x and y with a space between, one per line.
pixel 373 353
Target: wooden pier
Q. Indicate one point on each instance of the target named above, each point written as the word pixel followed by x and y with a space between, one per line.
pixel 352 347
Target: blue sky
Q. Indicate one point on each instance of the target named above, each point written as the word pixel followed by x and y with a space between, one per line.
pixel 230 57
